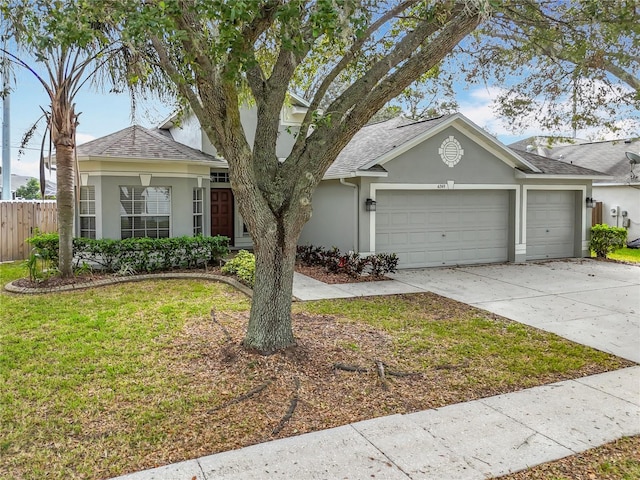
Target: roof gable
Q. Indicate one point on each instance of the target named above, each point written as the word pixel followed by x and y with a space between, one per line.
pixel 379 143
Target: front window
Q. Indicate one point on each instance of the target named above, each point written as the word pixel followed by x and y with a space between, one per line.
pixel 88 211
pixel 198 194
pixel 145 212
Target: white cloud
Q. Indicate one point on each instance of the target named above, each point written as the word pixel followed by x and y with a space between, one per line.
pixel 84 138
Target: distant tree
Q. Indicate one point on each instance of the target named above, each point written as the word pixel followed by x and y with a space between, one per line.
pixel 30 191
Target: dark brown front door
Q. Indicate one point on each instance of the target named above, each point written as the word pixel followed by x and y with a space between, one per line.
pixel 222 212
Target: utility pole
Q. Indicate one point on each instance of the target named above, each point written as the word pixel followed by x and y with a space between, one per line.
pixel 6 146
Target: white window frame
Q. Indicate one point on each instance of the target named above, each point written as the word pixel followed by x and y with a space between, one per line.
pixel 87 210
pixel 198 211
pixel 145 214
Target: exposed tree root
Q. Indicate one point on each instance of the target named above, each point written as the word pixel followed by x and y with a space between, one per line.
pixel 251 393
pixel 380 368
pixel 357 368
pixel 292 407
pixel 227 335
pixel 350 368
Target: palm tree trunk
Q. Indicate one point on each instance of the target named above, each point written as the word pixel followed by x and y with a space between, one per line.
pixel 65 201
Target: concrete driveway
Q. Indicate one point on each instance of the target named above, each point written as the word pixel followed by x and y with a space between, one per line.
pixel 590 302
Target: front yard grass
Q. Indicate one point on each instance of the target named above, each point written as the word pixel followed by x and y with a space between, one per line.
pixel 101 382
pixel 630 255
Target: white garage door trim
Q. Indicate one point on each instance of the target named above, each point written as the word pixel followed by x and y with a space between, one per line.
pixel 467 242
pixel 579 188
pixel 375 187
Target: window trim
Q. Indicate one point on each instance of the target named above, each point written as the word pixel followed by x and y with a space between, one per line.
pixel 91 200
pixel 133 216
pixel 196 201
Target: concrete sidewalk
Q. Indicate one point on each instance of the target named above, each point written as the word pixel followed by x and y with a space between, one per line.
pixel 473 440
pixel 594 303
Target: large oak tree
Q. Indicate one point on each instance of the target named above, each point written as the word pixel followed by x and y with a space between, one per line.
pixel 351 57
pixel 220 54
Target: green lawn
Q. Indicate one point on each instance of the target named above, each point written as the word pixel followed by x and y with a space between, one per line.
pixel 631 255
pixel 101 382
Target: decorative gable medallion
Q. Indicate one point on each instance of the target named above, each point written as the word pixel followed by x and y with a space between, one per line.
pixel 451 151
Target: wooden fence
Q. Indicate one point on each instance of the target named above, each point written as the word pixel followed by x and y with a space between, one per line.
pixel 18 221
pixel 596 214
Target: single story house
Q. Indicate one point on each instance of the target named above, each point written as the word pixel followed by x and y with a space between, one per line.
pixel 619 194
pixel 435 192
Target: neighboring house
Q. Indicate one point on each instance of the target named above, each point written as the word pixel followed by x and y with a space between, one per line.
pixel 620 193
pixel 436 192
pixel 18 181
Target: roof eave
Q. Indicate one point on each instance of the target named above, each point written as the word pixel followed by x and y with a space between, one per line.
pixel 617 184
pixel 551 176
pixel 358 173
pixel 99 158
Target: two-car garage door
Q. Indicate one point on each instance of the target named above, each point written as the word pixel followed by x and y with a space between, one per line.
pixel 435 228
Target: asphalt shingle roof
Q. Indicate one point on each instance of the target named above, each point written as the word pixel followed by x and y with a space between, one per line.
pixel 549 166
pixel 142 143
pixel 606 156
pixel 377 139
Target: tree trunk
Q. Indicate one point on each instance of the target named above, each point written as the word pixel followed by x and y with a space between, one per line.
pixel 270 328
pixel 65 203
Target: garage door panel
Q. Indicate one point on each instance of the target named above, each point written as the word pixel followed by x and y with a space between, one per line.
pixel 443 228
pixel 417 218
pixel 551 217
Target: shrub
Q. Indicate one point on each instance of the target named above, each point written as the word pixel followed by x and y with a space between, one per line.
pixel 606 239
pixel 137 254
pixel 244 266
pixel 352 263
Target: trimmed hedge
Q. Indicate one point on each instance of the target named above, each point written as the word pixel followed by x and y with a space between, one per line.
pixel 133 255
pixel 351 263
pixel 606 239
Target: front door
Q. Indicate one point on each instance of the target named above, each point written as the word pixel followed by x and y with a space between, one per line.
pixel 222 212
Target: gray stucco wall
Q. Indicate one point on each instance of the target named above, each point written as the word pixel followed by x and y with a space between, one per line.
pixel 108 218
pixel 422 164
pixel 333 222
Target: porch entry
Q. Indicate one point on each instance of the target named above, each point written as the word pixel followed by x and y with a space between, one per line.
pixel 222 213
